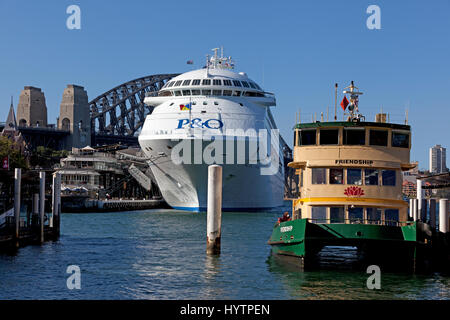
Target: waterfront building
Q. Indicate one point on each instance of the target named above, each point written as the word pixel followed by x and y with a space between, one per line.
pixel 438 159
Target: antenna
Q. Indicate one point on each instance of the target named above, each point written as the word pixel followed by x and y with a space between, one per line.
pixel 335 101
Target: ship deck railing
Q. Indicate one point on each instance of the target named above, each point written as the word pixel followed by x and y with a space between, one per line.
pixel 394 223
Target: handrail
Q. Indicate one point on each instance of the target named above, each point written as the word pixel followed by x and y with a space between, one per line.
pixel 361 221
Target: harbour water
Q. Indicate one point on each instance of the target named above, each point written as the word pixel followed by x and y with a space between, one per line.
pixel 160 254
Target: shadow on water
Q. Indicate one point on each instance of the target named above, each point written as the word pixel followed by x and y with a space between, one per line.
pixel 338 274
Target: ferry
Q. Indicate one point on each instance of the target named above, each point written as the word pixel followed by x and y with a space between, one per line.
pixel 214 115
pixel 350 182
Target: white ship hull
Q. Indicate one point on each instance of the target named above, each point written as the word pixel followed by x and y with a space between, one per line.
pixel 184 186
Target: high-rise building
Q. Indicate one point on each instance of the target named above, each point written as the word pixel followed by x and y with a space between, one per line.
pixel 438 159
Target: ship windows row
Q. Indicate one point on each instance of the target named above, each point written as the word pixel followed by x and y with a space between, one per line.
pixel 354 214
pixel 351 136
pixel 214 82
pixel 234 93
pixel 353 176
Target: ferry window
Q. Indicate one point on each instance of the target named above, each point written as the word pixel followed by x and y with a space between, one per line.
pixel 354 176
pixel 206 82
pixel 170 84
pixel 329 136
pixel 400 140
pixel 354 137
pixel 373 215
pixel 217 92
pixel 196 82
pixel 216 103
pixel 337 215
pixel 237 83
pixel 355 214
pixel 227 82
pixel 319 214
pixel 177 84
pixel 391 217
pixel 236 93
pixel 336 176
pixel 245 84
pixel 195 92
pixel 308 137
pixel 186 82
pixel 258 87
pixel 217 82
pixel 388 177
pixel 319 175
pixel 186 92
pixel 371 177
pixel 206 92
pixel 378 137
pixel 227 92
pixel 177 93
pixel 252 85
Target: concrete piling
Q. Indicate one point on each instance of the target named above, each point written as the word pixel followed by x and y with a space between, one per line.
pixel 443 215
pixel 433 213
pixel 56 202
pixel 411 205
pixel 41 204
pixel 415 209
pixel 214 210
pixel 17 187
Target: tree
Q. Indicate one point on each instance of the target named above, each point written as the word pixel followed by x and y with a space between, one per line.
pixel 10 148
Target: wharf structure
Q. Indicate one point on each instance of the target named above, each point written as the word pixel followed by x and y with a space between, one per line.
pixel 350 177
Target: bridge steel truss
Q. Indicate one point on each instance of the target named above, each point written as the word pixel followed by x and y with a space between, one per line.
pixel 118 114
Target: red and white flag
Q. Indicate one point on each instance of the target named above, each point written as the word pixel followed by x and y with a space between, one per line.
pixel 344 103
pixel 5 163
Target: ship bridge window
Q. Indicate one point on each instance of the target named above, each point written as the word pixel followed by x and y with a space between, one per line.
pixel 206 92
pixel 227 83
pixel 245 84
pixel 329 136
pixel 336 176
pixel 206 82
pixel 217 92
pixel 354 176
pixel 164 93
pixel 378 137
pixel 308 137
pixel 227 92
pixel 186 82
pixel 400 139
pixel 319 175
pixel 237 83
pixel 217 82
pixel 177 93
pixel 196 82
pixel 252 85
pixel 186 92
pixel 258 87
pixel 236 93
pixel 371 177
pixel 178 83
pixel 354 136
pixel 195 92
pixel 170 84
pixel 388 177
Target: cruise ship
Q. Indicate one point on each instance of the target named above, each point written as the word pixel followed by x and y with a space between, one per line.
pixel 214 115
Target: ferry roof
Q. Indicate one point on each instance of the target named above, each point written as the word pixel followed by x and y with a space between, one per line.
pixel 319 124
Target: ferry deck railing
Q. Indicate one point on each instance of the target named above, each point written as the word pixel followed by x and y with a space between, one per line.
pixel 394 223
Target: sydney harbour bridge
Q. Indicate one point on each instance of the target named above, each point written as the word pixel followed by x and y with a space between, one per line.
pixel 118 114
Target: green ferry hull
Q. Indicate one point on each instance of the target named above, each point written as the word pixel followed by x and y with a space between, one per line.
pixel 300 238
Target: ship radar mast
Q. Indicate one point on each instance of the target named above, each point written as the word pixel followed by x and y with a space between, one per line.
pixel 221 62
pixel 352 90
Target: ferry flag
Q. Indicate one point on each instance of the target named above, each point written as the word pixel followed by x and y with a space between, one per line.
pixel 185 106
pixel 344 103
pixel 190 62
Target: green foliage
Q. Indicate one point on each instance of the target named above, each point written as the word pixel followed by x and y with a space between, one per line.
pixel 47 157
pixel 16 158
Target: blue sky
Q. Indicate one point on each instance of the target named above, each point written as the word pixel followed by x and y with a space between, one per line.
pixel 296 49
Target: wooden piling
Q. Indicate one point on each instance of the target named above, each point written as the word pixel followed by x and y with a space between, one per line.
pixel 17 188
pixel 41 204
pixel 214 210
pixel 433 213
